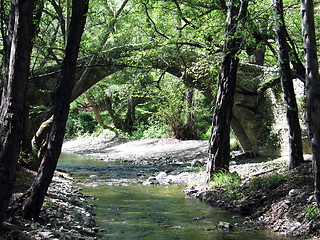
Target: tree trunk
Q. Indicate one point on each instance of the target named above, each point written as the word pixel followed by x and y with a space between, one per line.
pixel 114 116
pixel 130 120
pixel 240 135
pixel 312 88
pixel 189 131
pixel 27 136
pixel 95 109
pixel 295 141
pixel 13 99
pixel 39 144
pixel 33 204
pixel 67 21
pixel 219 148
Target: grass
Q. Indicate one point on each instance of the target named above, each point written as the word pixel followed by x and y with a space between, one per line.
pixel 312 213
pixel 225 180
pixel 271 181
pixel 232 187
pixel 46 204
pixel 229 183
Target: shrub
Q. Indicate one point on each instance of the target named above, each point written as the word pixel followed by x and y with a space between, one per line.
pixel 79 124
pixel 271 181
pixel 233 143
pixel 206 135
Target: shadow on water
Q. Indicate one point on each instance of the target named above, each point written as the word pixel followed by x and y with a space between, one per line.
pixel 136 211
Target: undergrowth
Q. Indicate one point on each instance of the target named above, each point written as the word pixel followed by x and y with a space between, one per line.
pixel 232 188
pixel 271 181
pixel 312 213
pixel 225 180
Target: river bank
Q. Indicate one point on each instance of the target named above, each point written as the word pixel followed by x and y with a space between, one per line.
pixel 271 196
pixel 65 214
pixel 286 207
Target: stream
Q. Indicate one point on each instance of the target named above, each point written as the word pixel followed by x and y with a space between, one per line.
pixel 128 209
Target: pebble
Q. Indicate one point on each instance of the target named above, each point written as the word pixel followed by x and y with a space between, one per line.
pixel 224 226
pixel 197 163
pixel 151 181
pixel 293 192
pixel 161 176
pixel 249 223
pixel 311 198
pixel 288 202
pixel 46 234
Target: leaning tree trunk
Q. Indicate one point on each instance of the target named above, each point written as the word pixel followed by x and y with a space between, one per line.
pixel 312 88
pixel 95 109
pixel 295 141
pixel 219 148
pixel 130 119
pixel 13 99
pixel 33 204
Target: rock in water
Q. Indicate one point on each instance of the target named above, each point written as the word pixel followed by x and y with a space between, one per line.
pixel 224 226
pixel 197 163
pixel 161 176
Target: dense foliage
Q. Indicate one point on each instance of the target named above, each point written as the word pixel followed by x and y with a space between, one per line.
pixel 140 59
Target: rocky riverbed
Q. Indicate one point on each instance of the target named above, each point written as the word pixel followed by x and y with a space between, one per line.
pixel 65 215
pixel 286 208
pixel 174 161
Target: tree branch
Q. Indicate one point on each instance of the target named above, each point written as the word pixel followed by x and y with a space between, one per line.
pixel 60 16
pixel 181 14
pixel 153 23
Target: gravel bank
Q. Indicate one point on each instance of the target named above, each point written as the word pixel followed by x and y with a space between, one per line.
pixel 66 215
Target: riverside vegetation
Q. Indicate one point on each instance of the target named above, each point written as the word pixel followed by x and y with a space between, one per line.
pixel 273 196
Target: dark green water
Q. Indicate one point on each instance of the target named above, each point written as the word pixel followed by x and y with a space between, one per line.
pixel 127 209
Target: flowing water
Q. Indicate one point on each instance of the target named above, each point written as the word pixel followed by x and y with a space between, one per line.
pixel 127 209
